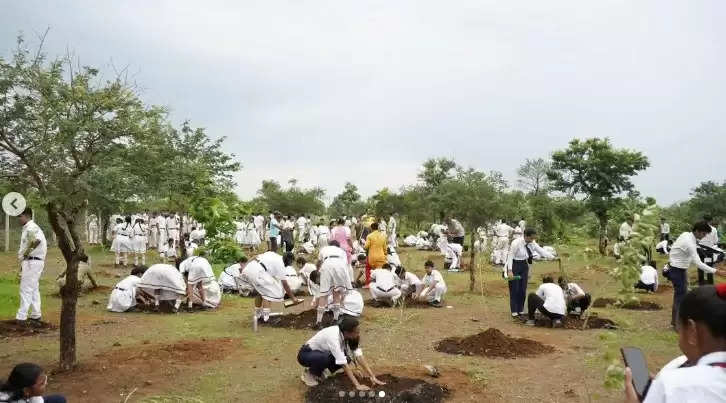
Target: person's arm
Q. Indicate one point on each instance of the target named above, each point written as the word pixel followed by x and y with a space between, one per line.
pixel 542 252
pixel 368 243
pixel 510 258
pixel 289 292
pixel 368 370
pixel 200 286
pixel 697 260
pixel 349 372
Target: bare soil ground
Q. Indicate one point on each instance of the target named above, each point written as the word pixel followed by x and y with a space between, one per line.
pixel 634 305
pixel 576 323
pixel 493 343
pixel 10 328
pixel 397 389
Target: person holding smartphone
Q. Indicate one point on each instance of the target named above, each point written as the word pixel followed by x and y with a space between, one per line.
pixel 702 338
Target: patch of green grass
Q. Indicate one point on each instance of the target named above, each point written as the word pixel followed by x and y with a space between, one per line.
pixel 478 376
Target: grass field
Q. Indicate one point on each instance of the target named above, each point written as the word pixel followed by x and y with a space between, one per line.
pixel 215 356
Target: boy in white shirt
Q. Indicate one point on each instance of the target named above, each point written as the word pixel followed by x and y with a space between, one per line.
pixel 383 285
pixel 435 287
pixel 648 278
pixel 549 300
pixel 409 283
pixel 123 296
pixel 230 276
pixel 577 299
pixel 520 256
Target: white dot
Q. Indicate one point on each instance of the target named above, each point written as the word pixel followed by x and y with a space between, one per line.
pixel 381 394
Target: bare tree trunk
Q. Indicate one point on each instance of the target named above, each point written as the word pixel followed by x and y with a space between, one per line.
pixel 472 262
pixel 66 228
pixel 603 218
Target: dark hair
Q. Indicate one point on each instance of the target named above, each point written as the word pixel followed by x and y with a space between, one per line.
pixel 530 232
pixel 361 257
pixel 138 270
pixel 334 243
pixel 193 228
pixel 386 266
pixel 704 304
pixel 288 258
pixel 652 263
pixel 547 279
pixel 119 220
pixel 348 324
pixel 374 226
pixel 707 217
pixel 701 226
pixel 128 219
pixel 341 221
pixel 177 262
pixel 242 258
pixel 429 264
pixel 315 276
pixel 400 271
pixel 560 280
pixel 301 260
pixel 22 376
pixel 28 212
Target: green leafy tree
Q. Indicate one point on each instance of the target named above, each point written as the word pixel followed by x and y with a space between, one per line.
pixel 533 175
pixel 637 250
pixel 347 203
pixel 293 200
pixel 597 171
pixel 709 198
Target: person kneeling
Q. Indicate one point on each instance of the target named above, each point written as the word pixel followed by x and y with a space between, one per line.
pixel 577 299
pixel 435 285
pixel 549 300
pixel 123 296
pixel 648 278
pixel 383 286
pixel 331 349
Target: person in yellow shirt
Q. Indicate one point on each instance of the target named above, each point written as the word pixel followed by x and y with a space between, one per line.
pixel 376 246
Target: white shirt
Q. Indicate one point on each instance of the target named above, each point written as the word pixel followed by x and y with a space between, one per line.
pixel 522 224
pixel 259 221
pixel 701 383
pixel 684 252
pixel 554 298
pixel 518 251
pixel 330 340
pixel 625 230
pixel 139 229
pixel 458 229
pixel 665 228
pixel 574 290
pixel 503 230
pixel 649 275
pixel 434 277
pixel 384 279
pixel 228 275
pixel 273 263
pixel 32 232
pixel 663 245
pixel 301 222
pixel 307 269
pixel 123 229
pixel 330 250
pixel 410 280
pixel 171 223
pixel 196 235
pixel 198 268
pixel 392 225
pixel 711 239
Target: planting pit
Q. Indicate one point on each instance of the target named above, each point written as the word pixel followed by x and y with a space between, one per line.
pixel 9 328
pixel 339 389
pixel 633 305
pixel 575 323
pixel 493 343
pixel 302 320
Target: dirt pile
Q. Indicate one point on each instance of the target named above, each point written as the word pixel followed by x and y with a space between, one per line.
pixel 493 343
pixel 575 323
pixel 339 389
pixel 633 305
pixel 302 320
pixel 410 303
pixel 9 328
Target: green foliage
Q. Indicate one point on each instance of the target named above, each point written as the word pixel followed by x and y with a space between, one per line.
pixel 293 200
pixel 637 250
pixel 347 203
pixel 533 175
pixel 215 214
pixel 223 251
pixel 709 198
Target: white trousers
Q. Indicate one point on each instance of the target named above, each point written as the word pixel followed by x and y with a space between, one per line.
pixel 437 293
pixel 379 294
pixel 93 235
pixel 30 289
pixel 501 248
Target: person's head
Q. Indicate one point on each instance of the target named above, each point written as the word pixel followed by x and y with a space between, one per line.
pixel 386 266
pixel 362 258
pixel 429 266
pixel 702 322
pixel 652 263
pixel 170 241
pixel 138 270
pixel 530 235
pixel 119 220
pixel 374 226
pixel 341 221
pixel 301 261
pixel 662 219
pixel 315 276
pixel 707 218
pixel 128 219
pixel 629 220
pixel 334 243
pixel 25 216
pixel 349 327
pixel 547 279
pixel 400 272
pixel 194 228
pixel 701 229
pixel 26 380
pixel 242 259
pixel 561 281
pixel 288 258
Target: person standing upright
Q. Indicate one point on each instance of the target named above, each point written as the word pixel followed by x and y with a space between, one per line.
pixel 274 230
pixel 709 241
pixel 665 230
pixel 392 230
pixel 33 248
pixel 518 260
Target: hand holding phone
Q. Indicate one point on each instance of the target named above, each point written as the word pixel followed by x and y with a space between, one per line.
pixel 635 360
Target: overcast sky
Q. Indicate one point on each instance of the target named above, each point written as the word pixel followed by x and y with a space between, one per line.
pixel 364 91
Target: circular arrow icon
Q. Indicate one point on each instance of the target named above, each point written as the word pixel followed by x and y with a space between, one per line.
pixel 13 204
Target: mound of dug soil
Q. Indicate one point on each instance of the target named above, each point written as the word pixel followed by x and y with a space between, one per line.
pixel 410 303
pixel 634 305
pixel 493 343
pixel 338 389
pixel 575 323
pixel 302 320
pixel 9 328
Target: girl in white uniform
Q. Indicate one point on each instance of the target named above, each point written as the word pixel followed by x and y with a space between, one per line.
pixel 123 296
pixel 139 241
pixel 334 278
pixel 435 287
pixel 293 279
pixel 230 276
pixel 202 286
pixel 266 274
pixel 122 241
pixel 162 282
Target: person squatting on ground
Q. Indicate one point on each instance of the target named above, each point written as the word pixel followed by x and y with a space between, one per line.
pixel 26 384
pixel 266 274
pixel 383 286
pixel 31 254
pixel 162 283
pixel 549 299
pixel 334 278
pixel 331 349
pixel 202 286
pixel 409 283
pixel 519 258
pixel 702 339
pixel 291 275
pixel 123 295
pixel 229 278
pixel 577 299
pixel 648 278
pixel 434 285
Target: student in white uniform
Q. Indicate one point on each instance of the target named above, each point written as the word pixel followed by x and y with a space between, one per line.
pixel 323 235
pixel 519 257
pixel 383 285
pixel 352 304
pixel 123 296
pixel 169 255
pixel 202 286
pixel 409 283
pixel 663 247
pixel 291 275
pixel 334 278
pixel 305 268
pixel 549 299
pixel 665 230
pixel 31 254
pixel 162 283
pixel 684 252
pixel 648 278
pixel 577 299
pixel 163 233
pixel 84 276
pixel 122 241
pixel 710 240
pixel 392 231
pixel 139 240
pixel 625 230
pixel 153 231
pixel 93 238
pixel 172 228
pixel 435 287
pixel 301 223
pixel 331 349
pixel 501 243
pixel 518 232
pixel 702 338
pixel 266 274
pixel 392 257
pixel 229 277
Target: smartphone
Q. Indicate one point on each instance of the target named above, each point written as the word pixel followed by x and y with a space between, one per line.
pixel 635 360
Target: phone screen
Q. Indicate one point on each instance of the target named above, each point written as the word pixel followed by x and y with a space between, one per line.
pixel 635 359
